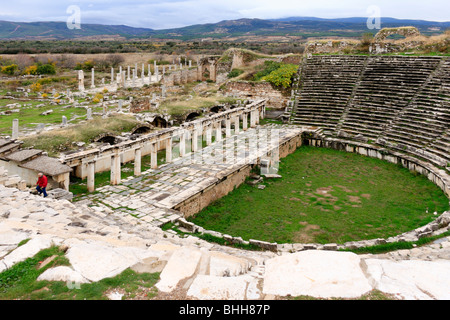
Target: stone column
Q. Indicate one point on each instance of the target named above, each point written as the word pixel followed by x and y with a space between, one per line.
pixel 228 127
pixel 64 121
pixel 129 73
pixel 236 125
pixel 182 144
pixel 119 79
pixel 15 129
pixel 89 114
pixel 245 121
pixel 257 116
pixel 209 135
pixel 252 119
pixel 137 162
pixel 112 75
pixel 115 168
pixel 143 73
pixel 91 176
pixel 93 79
pixel 154 156
pixel 195 139
pixel 169 150
pixel 80 80
pixel 219 131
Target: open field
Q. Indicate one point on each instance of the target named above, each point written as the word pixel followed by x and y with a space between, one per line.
pixel 327 196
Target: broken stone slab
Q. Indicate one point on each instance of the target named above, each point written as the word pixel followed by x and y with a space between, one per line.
pixel 411 279
pixel 10 236
pixel 99 260
pixel 46 113
pixel 149 265
pixel 320 274
pixel 206 287
pixel 272 176
pixel 62 273
pixel 28 250
pixel 225 265
pixel 181 265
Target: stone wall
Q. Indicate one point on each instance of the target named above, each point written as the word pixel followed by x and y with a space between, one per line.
pixel 180 77
pixel 207 196
pixel 11 181
pixel 257 90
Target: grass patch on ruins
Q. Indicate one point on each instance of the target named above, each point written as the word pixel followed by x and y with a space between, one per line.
pixel 63 139
pixel 327 196
pixel 20 282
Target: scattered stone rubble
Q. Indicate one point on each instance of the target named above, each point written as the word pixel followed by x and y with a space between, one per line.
pixel 100 244
pixel 12 181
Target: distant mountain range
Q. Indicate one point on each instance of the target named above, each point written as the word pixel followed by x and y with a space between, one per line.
pixel 293 26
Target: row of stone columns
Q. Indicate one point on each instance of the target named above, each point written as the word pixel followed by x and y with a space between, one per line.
pixel 197 131
pixel 123 76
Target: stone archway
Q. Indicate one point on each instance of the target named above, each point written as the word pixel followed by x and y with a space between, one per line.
pixel 141 129
pixel 159 122
pixel 207 69
pixel 407 32
pixel 192 116
pixel 106 138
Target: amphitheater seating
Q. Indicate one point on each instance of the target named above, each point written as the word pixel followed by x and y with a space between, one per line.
pixel 400 100
pixel 387 86
pixel 326 88
pixel 428 116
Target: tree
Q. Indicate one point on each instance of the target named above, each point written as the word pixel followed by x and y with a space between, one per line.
pixel 282 77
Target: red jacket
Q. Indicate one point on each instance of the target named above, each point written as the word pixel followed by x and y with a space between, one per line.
pixel 42 182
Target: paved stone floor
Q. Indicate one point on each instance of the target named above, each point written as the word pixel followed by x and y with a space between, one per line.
pixel 151 196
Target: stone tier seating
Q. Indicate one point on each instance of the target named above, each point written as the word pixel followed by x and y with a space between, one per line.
pixel 402 101
pixel 327 84
pixel 387 87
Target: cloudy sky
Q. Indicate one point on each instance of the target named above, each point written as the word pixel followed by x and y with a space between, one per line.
pixel 158 14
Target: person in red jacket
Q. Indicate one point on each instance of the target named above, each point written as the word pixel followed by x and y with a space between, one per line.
pixel 42 184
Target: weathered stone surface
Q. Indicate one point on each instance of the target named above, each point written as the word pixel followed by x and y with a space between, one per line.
pixel 149 265
pixel 181 265
pixel 225 265
pixel 10 236
pixel 321 274
pixel 62 273
pixel 28 250
pixel 412 279
pixel 206 287
pixel 97 260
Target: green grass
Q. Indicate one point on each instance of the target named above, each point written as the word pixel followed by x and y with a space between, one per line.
pixel 20 282
pixel 327 196
pixel 29 116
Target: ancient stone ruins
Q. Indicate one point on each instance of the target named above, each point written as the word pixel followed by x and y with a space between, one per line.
pixel 394 108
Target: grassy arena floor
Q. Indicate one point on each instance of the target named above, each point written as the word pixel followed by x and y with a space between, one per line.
pixel 327 196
